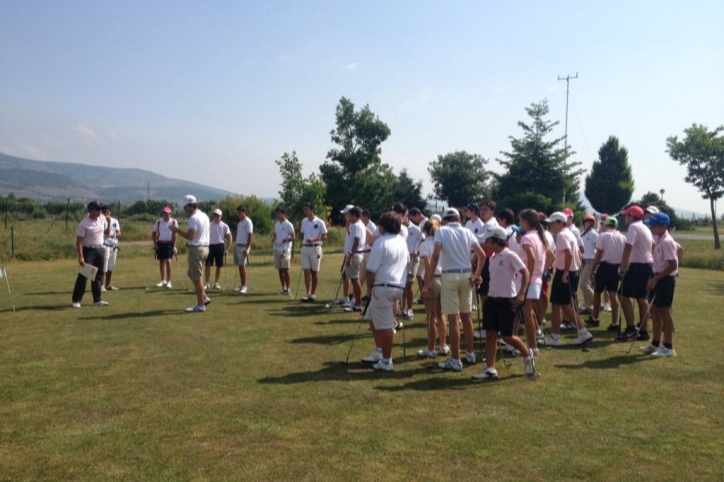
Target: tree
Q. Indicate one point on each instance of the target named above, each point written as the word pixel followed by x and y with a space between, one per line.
pixel 538 174
pixel 702 152
pixel 408 192
pixel 459 178
pixel 296 190
pixel 354 172
pixel 653 199
pixel 610 185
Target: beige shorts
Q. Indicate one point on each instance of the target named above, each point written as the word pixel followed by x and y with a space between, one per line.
pixel 282 259
pixel 109 259
pixel 421 268
pixel 456 293
pixel 436 287
pixel 352 271
pixel 413 265
pixel 197 258
pixel 240 255
pixel 311 257
pixel 381 310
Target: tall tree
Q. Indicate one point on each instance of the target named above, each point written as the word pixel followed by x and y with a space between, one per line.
pixel 408 192
pixel 298 190
pixel 538 173
pixel 702 152
pixel 354 172
pixel 459 177
pixel 610 185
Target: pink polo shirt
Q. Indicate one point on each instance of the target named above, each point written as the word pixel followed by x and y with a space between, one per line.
pixel 610 244
pixel 91 231
pixel 641 241
pixel 504 267
pixel 566 241
pixel 665 251
pixel 532 239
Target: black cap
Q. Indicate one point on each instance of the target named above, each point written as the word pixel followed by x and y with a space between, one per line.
pixel 94 206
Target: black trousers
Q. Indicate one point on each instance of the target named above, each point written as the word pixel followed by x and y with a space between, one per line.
pixel 94 257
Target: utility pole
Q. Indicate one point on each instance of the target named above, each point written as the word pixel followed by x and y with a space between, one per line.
pixel 568 79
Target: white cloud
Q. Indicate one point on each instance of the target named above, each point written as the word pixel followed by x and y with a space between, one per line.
pixel 351 66
pixel 85 131
pixel 27 151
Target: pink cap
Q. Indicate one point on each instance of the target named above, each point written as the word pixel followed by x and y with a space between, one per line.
pixel 634 211
pixel 567 211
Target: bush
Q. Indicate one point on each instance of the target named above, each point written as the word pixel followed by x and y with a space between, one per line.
pixel 257 210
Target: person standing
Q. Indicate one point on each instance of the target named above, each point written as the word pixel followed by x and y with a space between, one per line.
pixel 588 237
pixel 414 238
pixel 453 244
pixel 636 269
pixel 436 327
pixel 244 237
pixel 89 246
pixel 219 243
pixel 314 234
pixel 283 240
pixel 164 244
pixel 354 247
pixel 386 269
pixel 198 238
pixel 110 244
pixel 605 266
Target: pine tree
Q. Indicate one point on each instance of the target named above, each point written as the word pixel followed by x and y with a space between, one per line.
pixel 610 185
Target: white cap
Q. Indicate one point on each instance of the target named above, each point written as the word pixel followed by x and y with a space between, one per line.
pixel 189 199
pixel 451 213
pixel 346 208
pixel 218 211
pixel 557 216
pixel 652 210
pixel 495 232
pixel 436 217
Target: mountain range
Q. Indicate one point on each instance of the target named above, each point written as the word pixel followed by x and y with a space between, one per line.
pixel 52 181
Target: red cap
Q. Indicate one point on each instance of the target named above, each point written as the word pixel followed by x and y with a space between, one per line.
pixel 604 217
pixel 567 211
pixel 541 213
pixel 634 211
pixel 589 217
pixel 166 210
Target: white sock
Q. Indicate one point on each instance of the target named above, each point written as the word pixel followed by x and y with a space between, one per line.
pixel 582 331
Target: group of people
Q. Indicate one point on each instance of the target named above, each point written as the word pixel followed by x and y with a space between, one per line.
pixel 510 272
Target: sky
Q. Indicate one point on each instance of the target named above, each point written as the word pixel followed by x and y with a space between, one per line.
pixel 214 92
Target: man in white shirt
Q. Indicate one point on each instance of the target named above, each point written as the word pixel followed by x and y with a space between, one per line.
pixel 220 240
pixel 414 239
pixel 453 244
pixel 89 246
pixel 417 217
pixel 605 265
pixel 283 239
pixel 354 246
pixel 244 237
pixel 164 244
pixel 110 244
pixel 588 237
pixel 198 240
pixel 386 270
pixel 314 234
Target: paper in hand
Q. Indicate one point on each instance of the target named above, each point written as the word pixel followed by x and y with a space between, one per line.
pixel 88 270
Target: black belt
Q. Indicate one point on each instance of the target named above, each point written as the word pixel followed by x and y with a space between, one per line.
pixel 460 271
pixel 242 245
pixel 164 242
pixel 388 285
pixel 312 245
pixel 95 246
pixel 496 298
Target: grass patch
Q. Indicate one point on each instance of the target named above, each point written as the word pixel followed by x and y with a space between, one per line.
pixel 254 390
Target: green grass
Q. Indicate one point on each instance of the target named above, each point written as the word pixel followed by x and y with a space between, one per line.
pixel 254 390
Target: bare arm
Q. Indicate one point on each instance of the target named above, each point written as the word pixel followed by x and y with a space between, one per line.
pixel 525 278
pixel 79 249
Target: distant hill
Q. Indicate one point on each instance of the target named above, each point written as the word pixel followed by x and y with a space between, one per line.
pixel 47 181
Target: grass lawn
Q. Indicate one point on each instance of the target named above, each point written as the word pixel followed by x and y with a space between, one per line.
pixel 254 390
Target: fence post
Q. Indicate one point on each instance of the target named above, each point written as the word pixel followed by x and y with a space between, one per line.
pixel 6 213
pixel 12 240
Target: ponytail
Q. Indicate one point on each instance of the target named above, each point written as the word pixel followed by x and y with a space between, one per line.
pixel 531 218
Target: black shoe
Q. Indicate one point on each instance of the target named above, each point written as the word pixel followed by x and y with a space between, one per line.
pixel 627 335
pixel 613 328
pixel 567 326
pixel 365 299
pixel 642 336
pixel 591 321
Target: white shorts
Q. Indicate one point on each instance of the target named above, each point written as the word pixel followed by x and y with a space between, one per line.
pixel 457 293
pixel 352 271
pixel 311 257
pixel 240 255
pixel 381 310
pixel 282 259
pixel 413 266
pixel 109 259
pixel 534 290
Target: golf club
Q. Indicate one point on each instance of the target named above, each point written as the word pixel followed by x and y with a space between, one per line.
pixel 574 305
pixel 480 329
pixel 430 331
pixel 648 313
pixel 331 304
pixel 226 271
pixel 299 279
pixel 359 325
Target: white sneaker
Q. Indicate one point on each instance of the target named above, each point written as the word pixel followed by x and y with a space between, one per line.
pixel 451 365
pixel 470 357
pixel 207 287
pixel 607 308
pixel 385 367
pixel 353 309
pixel 168 285
pixel 487 374
pixel 582 338
pixel 374 357
pixel 509 348
pixel 649 349
pixel 103 289
pixel 534 351
pixel 409 315
pixel 445 350
pixel 161 284
pixel 237 288
pixel 196 309
pixel 100 303
pixel 529 365
pixel 427 354
pixel 664 352
pixel 480 334
pixel 282 291
pixel 207 301
pixel 76 305
pixel 217 286
pixel 551 341
pixel 242 290
pixel 112 288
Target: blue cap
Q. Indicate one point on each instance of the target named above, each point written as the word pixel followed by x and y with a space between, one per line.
pixel 657 219
pixel 517 229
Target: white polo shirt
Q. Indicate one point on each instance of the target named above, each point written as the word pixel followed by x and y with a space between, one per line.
pixel 283 230
pixel 91 231
pixel 112 240
pixel 456 243
pixel 426 249
pixel 610 244
pixel 589 244
pixel 357 230
pixel 476 227
pixel 314 228
pixel 414 238
pixel 504 267
pixel 243 229
pixel 218 232
pixel 577 233
pixel 388 260
pixel 641 240
pixel 199 222
pixel 163 229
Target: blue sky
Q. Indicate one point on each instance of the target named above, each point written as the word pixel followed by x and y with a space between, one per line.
pixel 214 92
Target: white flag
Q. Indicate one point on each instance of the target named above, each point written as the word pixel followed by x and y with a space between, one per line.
pixel 3 273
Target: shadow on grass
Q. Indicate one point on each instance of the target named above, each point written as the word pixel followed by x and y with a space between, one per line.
pixel 338 371
pixel 299 310
pixel 36 308
pixel 126 316
pixel 330 339
pixel 608 363
pixel 449 382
